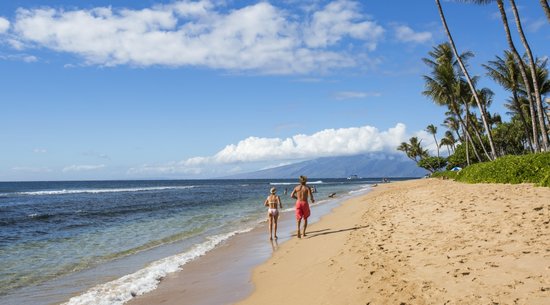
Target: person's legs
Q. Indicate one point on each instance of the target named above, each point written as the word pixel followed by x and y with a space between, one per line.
pixel 298 226
pixel 305 226
pixel 275 218
pixel 270 220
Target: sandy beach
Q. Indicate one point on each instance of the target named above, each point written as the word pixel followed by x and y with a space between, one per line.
pixel 422 241
pixel 419 242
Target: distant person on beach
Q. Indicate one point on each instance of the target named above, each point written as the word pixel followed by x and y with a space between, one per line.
pixel 273 201
pixel 301 193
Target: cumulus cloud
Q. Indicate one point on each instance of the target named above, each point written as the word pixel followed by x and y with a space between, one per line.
pixel 346 95
pixel 80 168
pixel 259 37
pixel 340 19
pixel 404 33
pixel 4 25
pixel 328 142
pixel 255 153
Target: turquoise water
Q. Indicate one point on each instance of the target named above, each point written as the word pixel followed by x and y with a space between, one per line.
pixel 54 230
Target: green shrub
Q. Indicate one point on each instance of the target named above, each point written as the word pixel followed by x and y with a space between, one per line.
pixel 532 168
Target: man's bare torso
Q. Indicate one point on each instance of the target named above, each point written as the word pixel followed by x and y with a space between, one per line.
pixel 302 192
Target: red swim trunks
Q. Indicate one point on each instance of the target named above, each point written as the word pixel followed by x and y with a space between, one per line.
pixel 302 210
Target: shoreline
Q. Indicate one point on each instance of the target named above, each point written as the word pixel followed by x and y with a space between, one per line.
pixel 120 280
pixel 424 241
pixel 223 275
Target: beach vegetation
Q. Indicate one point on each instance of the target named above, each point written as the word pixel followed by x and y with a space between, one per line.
pixel 433 164
pixel 530 83
pixel 488 147
pixel 530 168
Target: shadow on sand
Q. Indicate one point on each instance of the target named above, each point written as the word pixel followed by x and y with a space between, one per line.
pixel 329 231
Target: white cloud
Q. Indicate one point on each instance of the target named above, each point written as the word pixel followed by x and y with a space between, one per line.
pixel 259 37
pixel 328 142
pixel 254 153
pixel 4 25
pixel 39 150
pixel 19 57
pixel 346 95
pixel 404 33
pixel 80 168
pixel 338 20
pixel 34 170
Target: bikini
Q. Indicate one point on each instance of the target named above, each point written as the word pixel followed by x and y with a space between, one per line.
pixel 271 211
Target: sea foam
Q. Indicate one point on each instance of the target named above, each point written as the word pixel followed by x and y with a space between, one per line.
pixel 122 290
pixel 97 191
pixel 293 183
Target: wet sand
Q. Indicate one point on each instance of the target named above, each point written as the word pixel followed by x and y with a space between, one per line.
pixel 223 275
pixel 419 242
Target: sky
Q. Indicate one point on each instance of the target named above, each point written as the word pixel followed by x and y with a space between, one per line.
pixel 100 90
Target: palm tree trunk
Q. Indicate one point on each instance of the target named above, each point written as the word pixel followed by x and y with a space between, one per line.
pixel 476 131
pixel 523 120
pixel 533 69
pixel 526 82
pixel 474 148
pixel 467 149
pixel 468 136
pixel 468 79
pixel 546 8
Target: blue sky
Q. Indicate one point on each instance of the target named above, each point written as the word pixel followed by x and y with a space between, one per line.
pixel 197 89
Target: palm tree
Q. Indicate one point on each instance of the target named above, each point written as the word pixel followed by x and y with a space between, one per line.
pixel 533 68
pixel 546 8
pixel 468 79
pixel 452 123
pixel 413 149
pixel 446 88
pixel 506 73
pixel 536 100
pixel 451 138
pixel 431 129
pixel 449 141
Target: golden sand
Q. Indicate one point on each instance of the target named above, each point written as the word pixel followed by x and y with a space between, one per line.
pixel 419 242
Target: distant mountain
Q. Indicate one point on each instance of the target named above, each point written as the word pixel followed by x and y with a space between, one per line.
pixel 365 166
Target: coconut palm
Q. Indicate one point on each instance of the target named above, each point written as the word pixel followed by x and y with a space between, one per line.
pixel 452 124
pixel 468 79
pixel 533 69
pixel 536 98
pixel 449 141
pixel 431 129
pixel 413 149
pixel 546 8
pixel 446 88
pixel 505 71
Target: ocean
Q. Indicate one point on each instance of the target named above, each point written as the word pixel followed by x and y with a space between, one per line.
pixel 100 242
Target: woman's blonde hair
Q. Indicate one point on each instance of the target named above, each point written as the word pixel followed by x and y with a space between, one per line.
pixel 303 179
pixel 273 190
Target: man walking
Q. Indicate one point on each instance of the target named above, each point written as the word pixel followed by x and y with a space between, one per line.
pixel 301 193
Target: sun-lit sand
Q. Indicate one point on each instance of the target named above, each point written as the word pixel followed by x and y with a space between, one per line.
pixel 419 242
